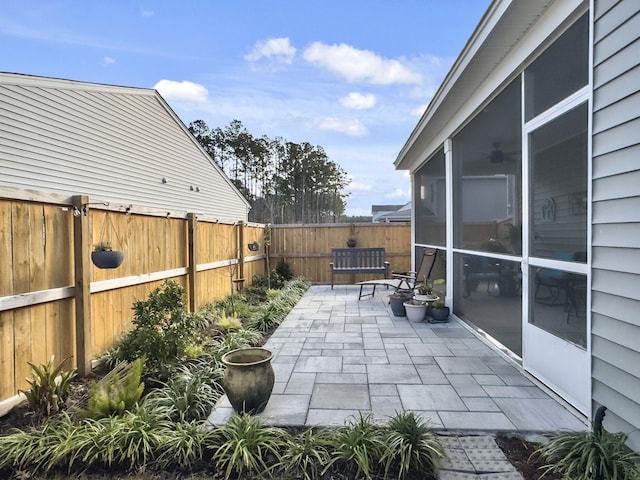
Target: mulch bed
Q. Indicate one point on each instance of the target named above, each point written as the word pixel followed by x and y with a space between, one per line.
pixel 519 452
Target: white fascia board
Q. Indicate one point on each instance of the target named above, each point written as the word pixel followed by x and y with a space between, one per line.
pixel 494 69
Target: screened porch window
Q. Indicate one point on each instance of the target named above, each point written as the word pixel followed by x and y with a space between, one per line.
pixel 429 200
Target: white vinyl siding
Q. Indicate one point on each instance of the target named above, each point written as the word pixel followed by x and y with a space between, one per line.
pixel 616 215
pixel 112 143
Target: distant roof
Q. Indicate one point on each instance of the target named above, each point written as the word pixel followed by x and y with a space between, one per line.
pixel 117 144
pixel 385 208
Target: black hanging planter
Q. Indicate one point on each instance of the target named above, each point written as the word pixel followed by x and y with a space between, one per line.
pixel 351 243
pixel 107 258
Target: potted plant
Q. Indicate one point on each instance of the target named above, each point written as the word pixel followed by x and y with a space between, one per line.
pixel 424 292
pixel 396 300
pixel 351 241
pixel 439 312
pixel 415 310
pixel 103 256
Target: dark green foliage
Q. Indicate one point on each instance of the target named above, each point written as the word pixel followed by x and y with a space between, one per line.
pixel 46 395
pixel 284 270
pixel 181 445
pixel 255 294
pixel 359 447
pixel 118 391
pixel 411 446
pixel 594 455
pixel 246 447
pixel 306 454
pixel 191 392
pixel 163 330
pixel 272 313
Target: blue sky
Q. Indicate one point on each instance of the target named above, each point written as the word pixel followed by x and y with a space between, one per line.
pixel 350 75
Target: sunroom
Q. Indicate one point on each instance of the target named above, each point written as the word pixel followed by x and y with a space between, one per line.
pixel 500 167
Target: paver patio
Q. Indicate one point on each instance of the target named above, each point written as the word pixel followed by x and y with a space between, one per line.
pixel 335 356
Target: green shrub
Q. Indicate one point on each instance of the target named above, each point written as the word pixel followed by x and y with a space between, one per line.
pixel 191 393
pixel 181 445
pixel 246 447
pixel 47 393
pixel 592 455
pixel 359 447
pixel 306 454
pixel 118 391
pixel 410 446
pixel 238 339
pixel 271 314
pixel 163 331
pixel 284 270
pixel 127 441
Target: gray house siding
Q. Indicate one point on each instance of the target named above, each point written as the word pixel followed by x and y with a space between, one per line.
pixel 112 143
pixel 616 215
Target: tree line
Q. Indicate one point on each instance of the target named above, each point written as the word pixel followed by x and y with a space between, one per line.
pixel 285 182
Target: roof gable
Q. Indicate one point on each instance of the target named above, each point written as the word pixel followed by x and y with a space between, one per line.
pixel 114 143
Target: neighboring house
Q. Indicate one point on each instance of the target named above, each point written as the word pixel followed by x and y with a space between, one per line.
pixel 116 144
pixel 403 214
pixel 545 94
pixel 378 211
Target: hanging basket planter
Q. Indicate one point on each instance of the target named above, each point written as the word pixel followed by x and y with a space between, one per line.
pixel 107 258
pixel 104 257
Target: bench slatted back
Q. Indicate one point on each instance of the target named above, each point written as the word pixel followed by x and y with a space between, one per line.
pixel 358 260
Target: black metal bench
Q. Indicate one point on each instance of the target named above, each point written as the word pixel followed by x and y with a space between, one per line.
pixel 358 260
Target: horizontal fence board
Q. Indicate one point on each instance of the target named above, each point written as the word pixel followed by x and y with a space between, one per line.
pixel 37 292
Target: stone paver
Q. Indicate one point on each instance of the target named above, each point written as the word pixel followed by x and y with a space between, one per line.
pixel 336 357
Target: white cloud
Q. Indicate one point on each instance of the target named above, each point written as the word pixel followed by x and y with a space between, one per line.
pixel 360 65
pixel 351 127
pixel 419 110
pixel 106 61
pixel 399 193
pixel 146 13
pixel 279 50
pixel 358 187
pixel 358 101
pixel 184 91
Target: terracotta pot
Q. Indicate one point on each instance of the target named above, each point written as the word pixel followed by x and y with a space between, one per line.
pixel 248 379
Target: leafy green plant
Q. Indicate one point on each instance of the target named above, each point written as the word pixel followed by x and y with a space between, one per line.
pixel 181 445
pixel 234 340
pixel 228 322
pixel 306 454
pixel 359 447
pixel 163 330
pixel 118 391
pixel 410 446
pixel 591 455
pixel 191 393
pixel 49 387
pixel 244 446
pixel 272 313
pixel 284 270
pixel 128 440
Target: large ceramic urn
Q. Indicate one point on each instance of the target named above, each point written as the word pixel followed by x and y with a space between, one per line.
pixel 248 378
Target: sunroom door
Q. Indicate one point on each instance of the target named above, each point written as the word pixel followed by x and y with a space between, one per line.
pixel 555 271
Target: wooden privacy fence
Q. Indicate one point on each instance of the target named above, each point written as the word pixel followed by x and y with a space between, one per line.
pixel 307 247
pixel 54 301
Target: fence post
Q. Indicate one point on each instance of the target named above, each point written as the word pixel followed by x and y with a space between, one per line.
pixel 241 251
pixel 193 261
pixel 82 292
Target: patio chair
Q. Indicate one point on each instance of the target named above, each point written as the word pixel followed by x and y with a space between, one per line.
pixel 405 281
